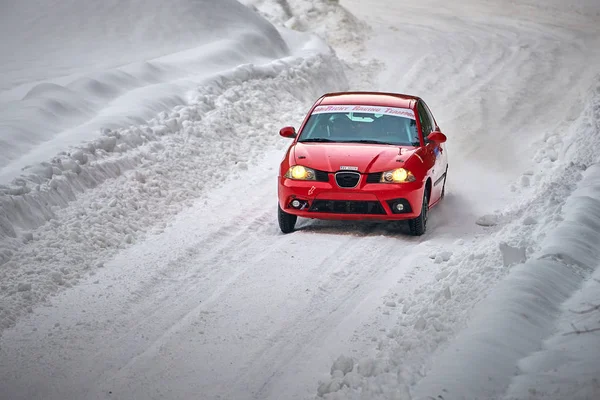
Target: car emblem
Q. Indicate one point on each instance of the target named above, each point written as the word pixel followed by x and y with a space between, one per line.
pixel 348 168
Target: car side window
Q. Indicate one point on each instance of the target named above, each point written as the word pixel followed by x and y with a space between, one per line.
pixel 425 121
pixel 429 115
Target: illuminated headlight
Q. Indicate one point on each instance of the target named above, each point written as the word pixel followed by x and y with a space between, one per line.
pixel 300 173
pixel 399 175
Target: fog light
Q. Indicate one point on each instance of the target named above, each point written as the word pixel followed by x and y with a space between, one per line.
pixel 296 203
pixel 399 206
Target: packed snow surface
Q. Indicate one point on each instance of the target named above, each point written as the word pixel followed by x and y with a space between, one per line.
pixel 139 250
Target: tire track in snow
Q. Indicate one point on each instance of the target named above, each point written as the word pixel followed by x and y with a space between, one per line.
pixel 98 325
pixel 171 287
pixel 189 154
pixel 498 81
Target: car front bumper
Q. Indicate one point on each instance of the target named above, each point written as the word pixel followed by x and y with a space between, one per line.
pixel 367 201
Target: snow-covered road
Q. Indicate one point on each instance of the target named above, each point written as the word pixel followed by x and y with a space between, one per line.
pixel 209 311
pixel 171 280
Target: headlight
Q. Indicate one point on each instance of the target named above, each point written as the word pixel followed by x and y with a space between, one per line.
pixel 300 173
pixel 399 175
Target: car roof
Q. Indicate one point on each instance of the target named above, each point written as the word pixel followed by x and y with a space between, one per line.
pixel 370 98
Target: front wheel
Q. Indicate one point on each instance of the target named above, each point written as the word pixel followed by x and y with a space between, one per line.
pixel 418 225
pixel 287 222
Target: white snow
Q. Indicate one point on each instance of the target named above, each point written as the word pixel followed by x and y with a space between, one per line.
pixel 567 366
pixel 487 220
pixel 131 180
pixel 82 67
pixel 139 250
pixel 520 313
pixel 149 184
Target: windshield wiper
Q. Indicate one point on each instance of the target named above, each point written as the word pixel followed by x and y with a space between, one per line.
pixel 367 141
pixel 317 140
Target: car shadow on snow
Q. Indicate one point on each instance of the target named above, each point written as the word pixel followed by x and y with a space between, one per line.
pixel 450 212
pixel 356 228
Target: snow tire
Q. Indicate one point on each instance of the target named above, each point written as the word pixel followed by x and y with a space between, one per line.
pixel 418 226
pixel 287 222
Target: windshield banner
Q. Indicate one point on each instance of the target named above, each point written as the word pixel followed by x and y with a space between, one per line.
pixel 399 112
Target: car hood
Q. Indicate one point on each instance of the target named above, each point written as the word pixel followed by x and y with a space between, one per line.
pixel 331 157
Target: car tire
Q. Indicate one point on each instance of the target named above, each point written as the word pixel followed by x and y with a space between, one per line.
pixel 418 226
pixel 287 222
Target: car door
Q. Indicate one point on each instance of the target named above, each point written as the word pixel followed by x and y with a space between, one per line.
pixel 433 151
pixel 441 155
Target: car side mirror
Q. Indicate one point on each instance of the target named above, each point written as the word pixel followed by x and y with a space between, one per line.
pixel 437 136
pixel 288 132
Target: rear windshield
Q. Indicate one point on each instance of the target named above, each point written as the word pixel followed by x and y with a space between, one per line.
pixel 361 124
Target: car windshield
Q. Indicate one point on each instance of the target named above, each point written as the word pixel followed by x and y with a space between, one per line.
pixel 361 124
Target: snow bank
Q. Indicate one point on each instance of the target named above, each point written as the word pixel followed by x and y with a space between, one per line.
pixel 330 21
pixel 132 180
pixel 522 311
pixel 128 181
pixel 568 366
pixel 334 24
pixel 540 249
pixel 82 66
pixel 216 42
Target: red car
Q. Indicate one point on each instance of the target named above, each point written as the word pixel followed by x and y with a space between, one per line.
pixel 363 156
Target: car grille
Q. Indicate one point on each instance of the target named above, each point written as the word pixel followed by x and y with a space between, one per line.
pixel 374 178
pixel 347 179
pixel 347 207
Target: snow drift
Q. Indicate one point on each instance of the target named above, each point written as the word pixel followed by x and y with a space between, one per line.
pixel 127 64
pixel 80 67
pixel 532 307
pixel 129 180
